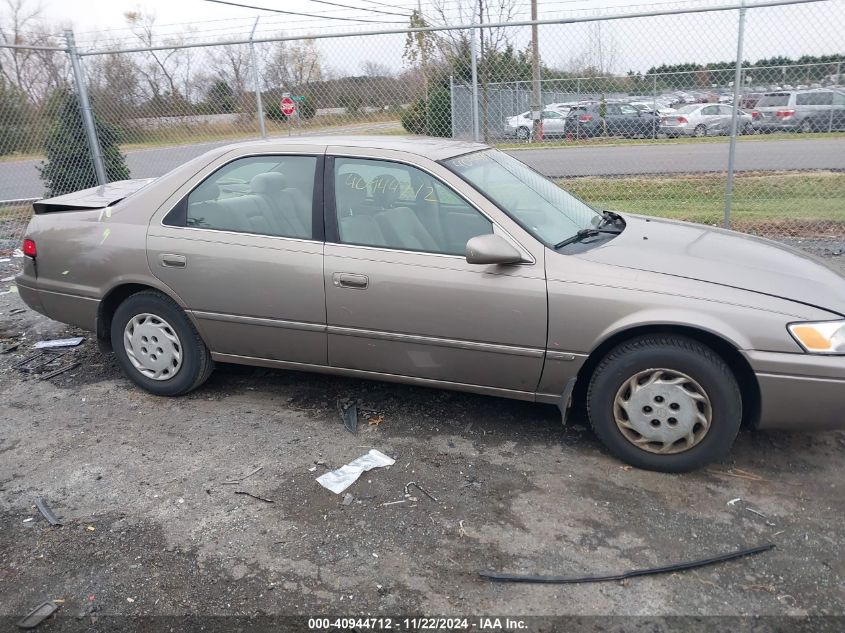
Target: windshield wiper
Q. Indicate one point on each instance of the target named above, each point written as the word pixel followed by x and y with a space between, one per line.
pixel 584 234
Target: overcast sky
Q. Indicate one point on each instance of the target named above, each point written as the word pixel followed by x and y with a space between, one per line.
pixel 637 44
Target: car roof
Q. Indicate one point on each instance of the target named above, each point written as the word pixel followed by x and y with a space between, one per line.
pixel 434 148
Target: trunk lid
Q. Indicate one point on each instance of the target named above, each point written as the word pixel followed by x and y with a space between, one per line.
pixel 93 198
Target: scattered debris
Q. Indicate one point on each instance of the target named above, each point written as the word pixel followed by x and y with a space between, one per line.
pixel 9 278
pixel 339 480
pixel 249 494
pixel 349 415
pixel 17 311
pixel 376 420
pixel 234 482
pixel 27 520
pixel 733 502
pixel 738 473
pixel 420 488
pixel 348 498
pixel 761 515
pixel 59 342
pixel 17 253
pixel 461 529
pixel 10 348
pixel 497 576
pixel 46 512
pixel 90 528
pixel 392 503
pixel 47 357
pixel 38 615
pixel 60 370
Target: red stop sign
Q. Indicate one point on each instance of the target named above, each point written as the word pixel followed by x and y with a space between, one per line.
pixel 288 106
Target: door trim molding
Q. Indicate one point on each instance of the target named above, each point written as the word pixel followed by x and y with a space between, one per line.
pixel 248 320
pixel 531 352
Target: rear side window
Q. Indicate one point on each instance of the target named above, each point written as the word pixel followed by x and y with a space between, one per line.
pixel 814 98
pixel 264 195
pixel 773 101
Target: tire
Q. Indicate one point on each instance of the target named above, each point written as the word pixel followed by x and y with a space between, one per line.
pixel 523 133
pixel 806 127
pixel 699 131
pixel 184 362
pixel 748 128
pixel 610 397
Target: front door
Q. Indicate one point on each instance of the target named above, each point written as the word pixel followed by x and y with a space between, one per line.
pixel 244 250
pixel 401 298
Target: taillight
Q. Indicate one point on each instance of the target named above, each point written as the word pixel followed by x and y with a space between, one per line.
pixel 755 115
pixel 29 248
pixel 784 114
pixel 585 118
pixel 682 120
pixel 663 120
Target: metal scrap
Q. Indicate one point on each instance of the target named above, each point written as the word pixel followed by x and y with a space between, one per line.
pixel 420 488
pixel 60 370
pixel 349 415
pixel 59 342
pixel 46 512
pixel 504 577
pixel 234 482
pixel 10 348
pixel 249 494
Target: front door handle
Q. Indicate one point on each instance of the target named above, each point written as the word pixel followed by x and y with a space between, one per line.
pixel 169 260
pixel 350 280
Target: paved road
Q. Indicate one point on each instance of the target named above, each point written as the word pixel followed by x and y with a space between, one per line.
pixel 20 179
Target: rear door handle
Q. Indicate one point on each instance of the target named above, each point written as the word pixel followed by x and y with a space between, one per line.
pixel 169 260
pixel 350 280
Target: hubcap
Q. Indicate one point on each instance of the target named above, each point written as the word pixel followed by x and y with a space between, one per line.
pixel 662 411
pixel 152 346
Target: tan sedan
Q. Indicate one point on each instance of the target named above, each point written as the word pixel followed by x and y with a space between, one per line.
pixel 451 265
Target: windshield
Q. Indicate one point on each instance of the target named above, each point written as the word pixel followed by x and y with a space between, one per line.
pixel 538 204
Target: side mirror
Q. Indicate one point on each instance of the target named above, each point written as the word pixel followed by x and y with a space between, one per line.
pixel 491 249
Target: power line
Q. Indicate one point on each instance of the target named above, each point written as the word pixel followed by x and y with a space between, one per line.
pixel 308 15
pixel 346 6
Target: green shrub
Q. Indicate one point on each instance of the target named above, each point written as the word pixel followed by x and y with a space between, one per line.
pixel 432 117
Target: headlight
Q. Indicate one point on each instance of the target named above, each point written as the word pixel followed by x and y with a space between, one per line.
pixel 825 337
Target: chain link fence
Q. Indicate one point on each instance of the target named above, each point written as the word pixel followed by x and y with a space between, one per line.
pixel 646 112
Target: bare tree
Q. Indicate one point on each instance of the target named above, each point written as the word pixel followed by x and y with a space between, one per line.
pixel 293 65
pixel 598 58
pixel 160 71
pixel 231 64
pixel 375 69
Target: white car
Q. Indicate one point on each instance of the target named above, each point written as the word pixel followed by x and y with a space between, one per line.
pixel 521 125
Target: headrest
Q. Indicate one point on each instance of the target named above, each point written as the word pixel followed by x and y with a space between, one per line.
pixel 386 190
pixel 268 183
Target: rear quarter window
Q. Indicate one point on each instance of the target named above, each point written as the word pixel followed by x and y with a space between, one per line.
pixel 773 101
pixel 814 98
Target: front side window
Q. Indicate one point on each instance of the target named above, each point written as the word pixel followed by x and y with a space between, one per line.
pixel 393 205
pixel 547 211
pixel 265 195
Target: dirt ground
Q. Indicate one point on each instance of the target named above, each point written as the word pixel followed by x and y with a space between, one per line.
pixel 152 529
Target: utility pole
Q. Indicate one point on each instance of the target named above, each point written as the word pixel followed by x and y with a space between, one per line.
pixel 536 97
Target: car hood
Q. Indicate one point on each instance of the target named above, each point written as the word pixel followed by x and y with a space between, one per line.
pixel 726 258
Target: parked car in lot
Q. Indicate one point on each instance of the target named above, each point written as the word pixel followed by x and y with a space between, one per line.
pixel 800 111
pixel 704 119
pixel 521 125
pixel 445 264
pixel 620 119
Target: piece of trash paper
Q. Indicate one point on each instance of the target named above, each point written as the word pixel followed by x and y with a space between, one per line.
pixel 59 342
pixel 339 480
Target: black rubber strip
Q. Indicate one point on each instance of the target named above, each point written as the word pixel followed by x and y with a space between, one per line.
pixel 565 580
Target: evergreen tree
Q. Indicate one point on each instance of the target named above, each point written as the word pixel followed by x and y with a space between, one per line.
pixel 69 166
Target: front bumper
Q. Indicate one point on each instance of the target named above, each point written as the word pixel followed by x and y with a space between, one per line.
pixel 799 391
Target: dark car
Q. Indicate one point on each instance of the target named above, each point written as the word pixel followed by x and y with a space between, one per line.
pixel 620 119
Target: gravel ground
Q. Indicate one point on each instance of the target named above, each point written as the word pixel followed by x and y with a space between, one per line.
pixel 150 527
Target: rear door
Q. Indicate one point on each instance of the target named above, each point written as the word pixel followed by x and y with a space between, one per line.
pixel 553 123
pixel 401 298
pixel 242 246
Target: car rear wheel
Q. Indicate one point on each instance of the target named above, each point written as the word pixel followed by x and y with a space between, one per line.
pixel 523 133
pixel 665 403
pixel 700 130
pixel 157 346
pixel 748 128
pixel 806 126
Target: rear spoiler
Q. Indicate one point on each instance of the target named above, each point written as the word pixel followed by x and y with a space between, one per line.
pixel 93 198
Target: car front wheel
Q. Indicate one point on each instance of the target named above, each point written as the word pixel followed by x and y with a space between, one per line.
pixel 523 134
pixel 665 403
pixel 157 346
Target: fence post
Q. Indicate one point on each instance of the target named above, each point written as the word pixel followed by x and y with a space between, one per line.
pixel 259 105
pixel 830 119
pixel 452 104
pixel 729 184
pixel 85 109
pixel 656 125
pixel 476 134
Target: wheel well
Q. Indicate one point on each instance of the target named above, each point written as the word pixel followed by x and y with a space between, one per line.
pixel 739 366
pixel 108 305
